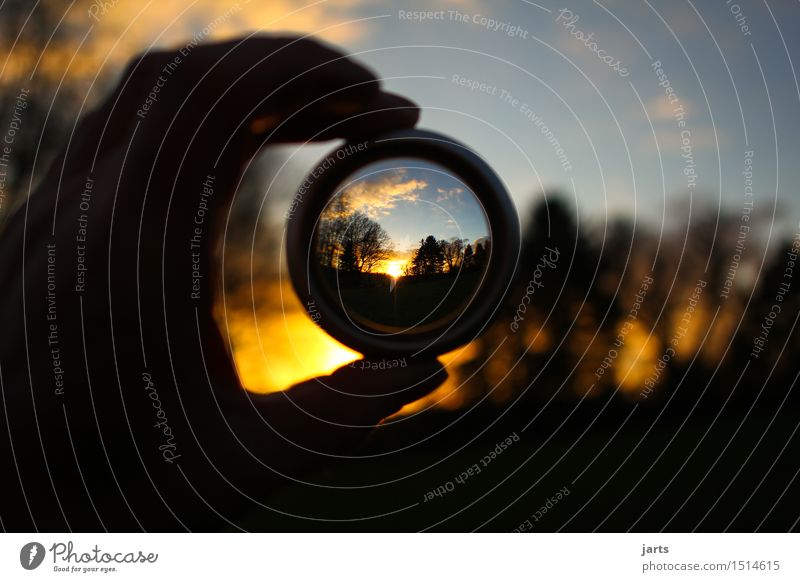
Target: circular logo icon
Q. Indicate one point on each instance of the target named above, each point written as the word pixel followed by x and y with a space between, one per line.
pixel 31 555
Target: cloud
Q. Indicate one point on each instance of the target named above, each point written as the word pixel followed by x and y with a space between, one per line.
pixel 377 197
pixel 122 29
pixel 449 194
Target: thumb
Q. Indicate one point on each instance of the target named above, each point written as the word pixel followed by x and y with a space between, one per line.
pixel 386 385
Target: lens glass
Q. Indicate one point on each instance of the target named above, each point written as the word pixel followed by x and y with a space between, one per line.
pixel 402 247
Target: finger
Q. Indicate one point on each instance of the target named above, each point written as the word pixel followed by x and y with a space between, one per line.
pixel 359 396
pixel 231 80
pixel 389 388
pixel 334 119
pixel 283 69
pixel 268 77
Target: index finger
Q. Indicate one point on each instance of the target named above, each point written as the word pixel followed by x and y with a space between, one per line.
pixel 274 78
pixel 231 81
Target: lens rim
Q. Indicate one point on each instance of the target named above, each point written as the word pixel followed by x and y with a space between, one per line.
pixel 324 180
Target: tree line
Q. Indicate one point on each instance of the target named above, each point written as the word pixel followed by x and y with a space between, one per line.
pixel 351 241
pixel 446 256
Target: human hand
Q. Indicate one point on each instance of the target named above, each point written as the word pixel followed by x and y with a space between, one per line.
pixel 133 331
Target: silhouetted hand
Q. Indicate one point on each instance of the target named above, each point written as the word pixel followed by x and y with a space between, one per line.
pixel 111 357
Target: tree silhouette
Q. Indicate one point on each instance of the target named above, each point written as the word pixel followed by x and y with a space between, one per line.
pixel 351 241
pixel 481 255
pixel 332 229
pixel 428 259
pixel 468 255
pixel 476 259
pixel 371 243
pixel 347 260
pixel 453 252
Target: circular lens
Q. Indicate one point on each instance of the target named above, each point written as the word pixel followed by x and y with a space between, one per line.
pixel 402 246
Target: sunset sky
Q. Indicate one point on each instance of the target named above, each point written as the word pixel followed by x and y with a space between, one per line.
pixel 732 74
pixel 412 199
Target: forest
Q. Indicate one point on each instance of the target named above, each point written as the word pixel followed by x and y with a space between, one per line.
pixel 364 268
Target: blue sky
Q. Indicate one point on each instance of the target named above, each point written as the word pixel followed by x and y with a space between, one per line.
pixel 619 134
pixel 412 199
pixel 731 64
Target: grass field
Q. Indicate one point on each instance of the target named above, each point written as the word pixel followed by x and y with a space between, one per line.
pixel 414 301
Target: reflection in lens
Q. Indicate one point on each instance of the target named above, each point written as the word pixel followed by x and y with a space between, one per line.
pixel 403 246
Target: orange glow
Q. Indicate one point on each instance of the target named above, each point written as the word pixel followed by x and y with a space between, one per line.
pixel 394 269
pixel 637 358
pixel 450 395
pixel 283 346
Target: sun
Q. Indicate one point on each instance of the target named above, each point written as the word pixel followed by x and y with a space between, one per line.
pixel 394 269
